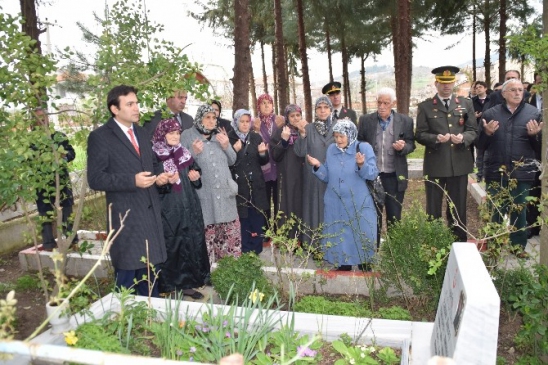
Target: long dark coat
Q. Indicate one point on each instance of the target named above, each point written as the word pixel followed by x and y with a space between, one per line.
pixel 248 174
pixel 187 264
pixel 315 145
pixel 290 175
pixel 112 166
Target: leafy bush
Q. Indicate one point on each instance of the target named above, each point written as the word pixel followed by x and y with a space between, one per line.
pixel 509 283
pixel 414 255
pixel 532 303
pixel 235 278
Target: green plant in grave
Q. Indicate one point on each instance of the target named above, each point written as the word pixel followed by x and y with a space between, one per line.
pixel 364 355
pixel 532 303
pixel 414 256
pixel 235 277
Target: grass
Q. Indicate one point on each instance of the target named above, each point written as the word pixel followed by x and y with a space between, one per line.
pixel 23 283
pixel 79 162
pixel 418 152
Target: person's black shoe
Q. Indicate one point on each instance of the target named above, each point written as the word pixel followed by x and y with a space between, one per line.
pixel 194 294
pixel 342 268
pixel 366 267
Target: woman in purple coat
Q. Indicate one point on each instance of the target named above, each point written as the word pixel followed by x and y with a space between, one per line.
pixel 266 124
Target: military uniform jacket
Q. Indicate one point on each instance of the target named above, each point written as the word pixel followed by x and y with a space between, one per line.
pixel 446 159
pixel 347 113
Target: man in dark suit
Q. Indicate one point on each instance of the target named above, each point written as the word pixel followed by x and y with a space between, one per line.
pixel 176 104
pixel 496 98
pixel 478 101
pixel 391 135
pixel 46 198
pixel 333 91
pixel 121 163
pixel 446 126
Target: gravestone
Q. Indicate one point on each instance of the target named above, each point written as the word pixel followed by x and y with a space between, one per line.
pixel 466 325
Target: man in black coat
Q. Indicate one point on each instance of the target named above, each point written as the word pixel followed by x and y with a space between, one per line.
pixel 176 104
pixel 333 91
pixel 46 198
pixel 479 100
pixel 391 136
pixel 511 137
pixel 121 163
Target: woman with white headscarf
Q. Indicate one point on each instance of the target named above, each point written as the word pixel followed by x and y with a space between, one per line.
pixel 350 220
pixel 210 148
pixel 252 200
pixel 314 138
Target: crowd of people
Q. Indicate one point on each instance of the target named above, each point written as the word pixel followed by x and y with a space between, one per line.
pixel 199 189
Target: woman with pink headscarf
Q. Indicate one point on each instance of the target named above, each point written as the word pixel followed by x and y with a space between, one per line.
pixel 266 124
pixel 187 264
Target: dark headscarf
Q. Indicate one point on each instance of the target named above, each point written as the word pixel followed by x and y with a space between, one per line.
pixel 292 108
pixel 202 111
pixel 174 158
pixel 322 125
pixel 267 120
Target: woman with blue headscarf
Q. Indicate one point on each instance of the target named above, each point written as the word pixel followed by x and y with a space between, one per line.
pixel 350 220
pixel 314 138
pixel 252 153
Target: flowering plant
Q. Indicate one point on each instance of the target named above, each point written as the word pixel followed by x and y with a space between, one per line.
pixel 363 355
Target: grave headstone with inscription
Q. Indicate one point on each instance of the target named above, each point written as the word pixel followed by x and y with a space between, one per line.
pixel 467 320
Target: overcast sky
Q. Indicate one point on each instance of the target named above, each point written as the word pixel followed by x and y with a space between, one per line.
pixel 216 52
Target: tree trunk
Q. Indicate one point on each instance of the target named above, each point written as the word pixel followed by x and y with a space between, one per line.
pixel 283 84
pixel 242 59
pixel 252 89
pixel 363 86
pixel 346 80
pixel 502 39
pixel 474 66
pixel 30 24
pixel 487 60
pixel 544 183
pixel 30 28
pixel 328 48
pixel 275 86
pixel 304 60
pixel 403 56
pixel 265 76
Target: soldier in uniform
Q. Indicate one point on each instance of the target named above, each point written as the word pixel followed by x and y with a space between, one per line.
pixel 446 126
pixel 333 91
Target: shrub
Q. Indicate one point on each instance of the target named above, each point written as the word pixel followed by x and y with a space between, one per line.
pixel 532 303
pixel 235 278
pixel 415 255
pixel 321 305
pixel 509 283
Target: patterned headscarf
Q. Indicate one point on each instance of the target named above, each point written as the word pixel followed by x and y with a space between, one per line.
pixel 347 127
pixel 174 158
pixel 292 108
pixel 236 122
pixel 323 125
pixel 267 120
pixel 202 111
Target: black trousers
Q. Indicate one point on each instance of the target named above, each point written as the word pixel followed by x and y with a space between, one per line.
pixel 392 202
pixel 456 189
